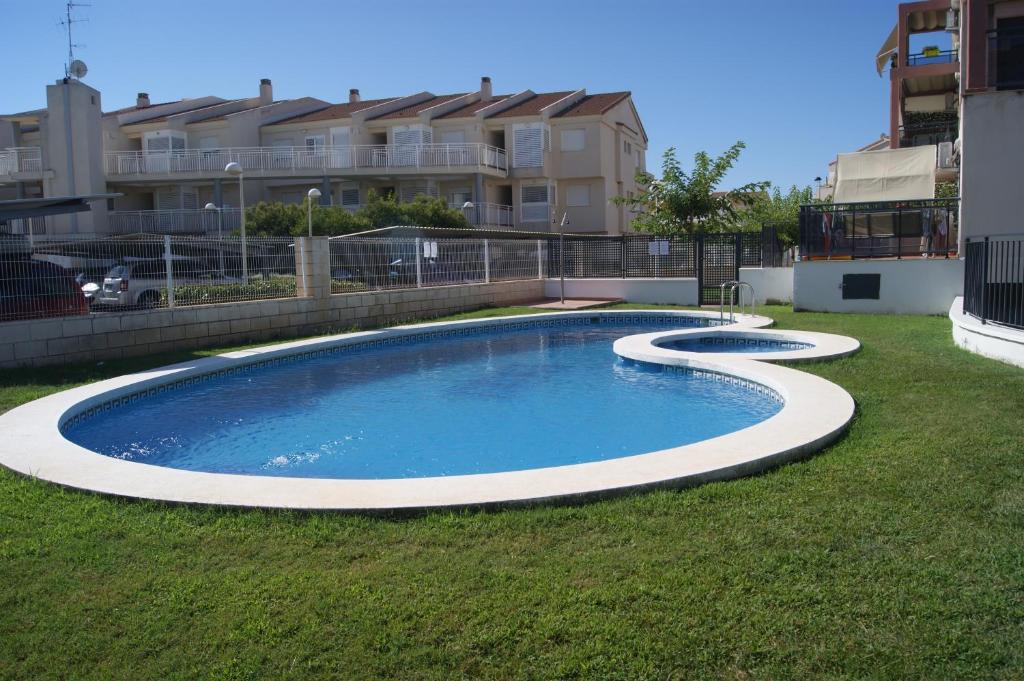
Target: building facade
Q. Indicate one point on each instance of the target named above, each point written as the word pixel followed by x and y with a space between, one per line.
pixel 507 161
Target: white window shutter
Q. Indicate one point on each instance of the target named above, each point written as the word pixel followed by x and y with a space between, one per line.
pixel 528 143
pixel 534 203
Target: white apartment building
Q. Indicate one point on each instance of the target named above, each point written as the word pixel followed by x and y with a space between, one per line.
pixel 517 158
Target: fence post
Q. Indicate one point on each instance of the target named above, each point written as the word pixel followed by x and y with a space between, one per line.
pixel 419 262
pixel 487 261
pixel 170 270
pixel 984 282
pixel 540 259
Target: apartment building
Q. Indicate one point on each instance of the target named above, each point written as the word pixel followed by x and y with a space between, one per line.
pixel 516 159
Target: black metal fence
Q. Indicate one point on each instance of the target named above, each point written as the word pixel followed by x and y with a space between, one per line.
pixel 883 229
pixel 994 280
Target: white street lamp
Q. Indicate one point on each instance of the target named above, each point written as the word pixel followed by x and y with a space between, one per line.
pixel 561 252
pixel 468 205
pixel 235 169
pixel 313 195
pixel 220 233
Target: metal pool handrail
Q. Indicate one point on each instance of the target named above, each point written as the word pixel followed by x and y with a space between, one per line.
pixel 733 285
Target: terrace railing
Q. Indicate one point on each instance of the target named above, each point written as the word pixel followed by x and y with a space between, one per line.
pixel 994 280
pixel 310 160
pixel 921 134
pixel 15 160
pixel 487 214
pixel 883 229
pixel 933 57
pixel 195 221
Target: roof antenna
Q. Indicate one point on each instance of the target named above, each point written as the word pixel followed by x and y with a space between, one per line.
pixel 67 21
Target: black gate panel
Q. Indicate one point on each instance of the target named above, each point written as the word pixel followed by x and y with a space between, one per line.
pixel 719 260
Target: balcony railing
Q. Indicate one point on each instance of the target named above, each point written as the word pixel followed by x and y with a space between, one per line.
pixel 488 215
pixel 935 57
pixel 172 221
pixel 309 160
pixel 15 160
pixel 1006 59
pixel 921 134
pixel 882 229
pixel 994 280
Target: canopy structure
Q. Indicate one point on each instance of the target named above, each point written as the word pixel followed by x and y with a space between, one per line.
pixel 890 45
pixel 887 175
pixel 53 205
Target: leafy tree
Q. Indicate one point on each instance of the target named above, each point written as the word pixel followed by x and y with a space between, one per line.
pixel 781 210
pixel 682 202
pixel 281 219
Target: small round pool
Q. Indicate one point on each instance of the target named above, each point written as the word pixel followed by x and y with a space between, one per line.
pixel 730 343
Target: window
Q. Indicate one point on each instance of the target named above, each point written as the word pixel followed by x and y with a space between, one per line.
pixel 314 142
pixel 577 195
pixel 627 147
pixel 453 137
pixel 209 143
pixel 573 140
pixel 460 196
pixel 350 196
pixel 534 199
pixel 529 141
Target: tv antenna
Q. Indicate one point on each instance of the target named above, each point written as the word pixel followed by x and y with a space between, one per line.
pixel 71 69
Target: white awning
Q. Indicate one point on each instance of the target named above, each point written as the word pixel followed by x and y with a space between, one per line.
pixel 887 175
pixel 890 45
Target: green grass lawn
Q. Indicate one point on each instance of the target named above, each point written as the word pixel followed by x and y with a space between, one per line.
pixel 896 553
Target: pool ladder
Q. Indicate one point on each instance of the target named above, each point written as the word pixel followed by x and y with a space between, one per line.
pixel 733 285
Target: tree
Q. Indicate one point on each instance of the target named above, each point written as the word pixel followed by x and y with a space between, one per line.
pixel 778 209
pixel 681 203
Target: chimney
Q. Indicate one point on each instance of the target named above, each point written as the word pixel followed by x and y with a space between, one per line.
pixel 485 89
pixel 266 92
pixel 353 96
pixel 142 100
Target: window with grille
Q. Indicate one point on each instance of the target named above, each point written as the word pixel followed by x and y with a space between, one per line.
pixel 410 190
pixel 350 197
pixel 573 140
pixel 534 199
pixel 314 142
pixel 529 141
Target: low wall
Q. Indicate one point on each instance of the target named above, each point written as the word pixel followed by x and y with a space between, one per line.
pixel 918 286
pixel 771 284
pixel 988 340
pixel 110 335
pixel 655 291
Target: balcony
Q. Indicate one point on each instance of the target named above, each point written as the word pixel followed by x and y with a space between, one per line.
pixel 933 57
pixel 21 163
pixel 347 161
pixel 493 215
pixel 172 221
pixel 921 134
pixel 1006 58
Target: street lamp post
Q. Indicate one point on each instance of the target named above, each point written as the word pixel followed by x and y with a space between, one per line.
pixel 235 169
pixel 220 234
pixel 468 205
pixel 313 194
pixel 561 253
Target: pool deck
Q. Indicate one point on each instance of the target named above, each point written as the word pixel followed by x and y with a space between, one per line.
pixel 815 412
pixel 575 303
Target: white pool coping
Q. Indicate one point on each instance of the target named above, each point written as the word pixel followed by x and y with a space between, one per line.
pixel 647 347
pixel 814 414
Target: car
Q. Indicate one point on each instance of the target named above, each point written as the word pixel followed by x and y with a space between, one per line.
pixel 32 289
pixel 142 282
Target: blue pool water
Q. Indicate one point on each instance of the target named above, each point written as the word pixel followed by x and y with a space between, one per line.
pixel 733 344
pixel 497 401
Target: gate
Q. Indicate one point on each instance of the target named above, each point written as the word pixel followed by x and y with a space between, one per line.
pixel 718 261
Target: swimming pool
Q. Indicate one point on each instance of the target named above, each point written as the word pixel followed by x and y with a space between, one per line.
pixel 731 343
pixel 490 401
pixel 438 415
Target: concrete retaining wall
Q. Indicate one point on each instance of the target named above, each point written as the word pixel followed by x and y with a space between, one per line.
pixel 918 286
pixel 771 284
pixel 654 291
pixel 111 335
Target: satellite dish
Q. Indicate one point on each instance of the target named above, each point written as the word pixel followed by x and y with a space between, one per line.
pixel 78 69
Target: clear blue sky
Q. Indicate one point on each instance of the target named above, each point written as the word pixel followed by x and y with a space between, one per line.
pixel 794 79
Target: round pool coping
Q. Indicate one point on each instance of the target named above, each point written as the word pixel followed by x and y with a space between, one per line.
pixel 648 347
pixel 815 412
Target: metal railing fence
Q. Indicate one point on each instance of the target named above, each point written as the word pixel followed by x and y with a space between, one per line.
pixel 994 280
pixel 21 160
pixel 290 160
pixel 60 276
pixel 882 229
pixel 360 264
pixel 933 57
pixel 184 221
